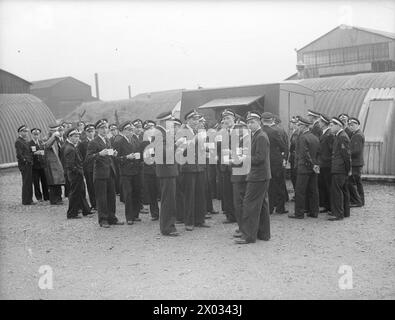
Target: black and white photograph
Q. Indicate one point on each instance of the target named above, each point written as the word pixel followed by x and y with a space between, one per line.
pixel 211 151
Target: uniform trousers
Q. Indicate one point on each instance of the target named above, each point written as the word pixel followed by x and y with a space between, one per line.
pixel 195 203
pixel 168 207
pixel 39 176
pixel 255 221
pixel 77 195
pixel 340 196
pixel 105 199
pixel 306 194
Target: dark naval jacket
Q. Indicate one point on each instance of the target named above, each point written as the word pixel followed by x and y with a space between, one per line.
pixel 307 152
pixel 356 145
pixel 341 155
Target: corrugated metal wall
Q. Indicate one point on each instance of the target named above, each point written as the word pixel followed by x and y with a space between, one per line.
pixel 12 84
pixel 15 110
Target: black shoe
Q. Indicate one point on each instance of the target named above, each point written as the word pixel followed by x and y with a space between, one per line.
pixel 242 241
pixel 172 234
pixel 312 216
pixel 129 222
pixel 87 213
pixel 295 217
pixel 207 216
pixel 104 224
pixel 189 228
pixel 136 219
pixel 237 235
pixel 282 212
pixel 118 223
pixel 93 209
pixel 355 205
pixel 179 222
pixel 154 218
pixel 229 221
pixel 214 212
pixel 74 217
pixel 335 219
pixel 324 210
pixel 29 204
pixel 263 239
pixel 203 225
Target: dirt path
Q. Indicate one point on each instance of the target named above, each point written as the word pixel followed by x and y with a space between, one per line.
pixel 135 262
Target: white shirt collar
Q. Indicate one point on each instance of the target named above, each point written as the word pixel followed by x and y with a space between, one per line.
pixel 339 132
pixel 325 130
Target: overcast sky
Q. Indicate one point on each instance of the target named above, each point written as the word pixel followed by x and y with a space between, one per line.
pixel 170 45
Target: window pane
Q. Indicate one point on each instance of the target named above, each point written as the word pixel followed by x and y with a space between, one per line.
pixel 376 118
pixel 336 56
pixel 309 58
pixel 380 51
pixel 323 57
pixel 365 53
pixel 350 54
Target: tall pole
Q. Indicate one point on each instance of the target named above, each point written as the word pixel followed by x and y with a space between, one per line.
pixel 130 92
pixel 97 86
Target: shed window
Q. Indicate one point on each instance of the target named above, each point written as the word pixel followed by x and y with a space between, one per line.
pixel 350 54
pixel 380 51
pixel 377 115
pixel 336 56
pixel 323 57
pixel 309 58
pixel 365 53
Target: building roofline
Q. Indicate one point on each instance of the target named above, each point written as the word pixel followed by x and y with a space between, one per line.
pixel 375 32
pixel 57 81
pixel 14 75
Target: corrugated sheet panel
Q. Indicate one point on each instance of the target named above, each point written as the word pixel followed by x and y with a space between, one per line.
pixel 358 81
pixel 144 106
pixel 333 103
pixel 15 110
pixel 46 83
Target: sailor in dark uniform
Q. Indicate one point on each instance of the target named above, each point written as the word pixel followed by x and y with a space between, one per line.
pixel 139 135
pixel 25 164
pixel 292 145
pixel 150 179
pixel 228 120
pixel 307 167
pixel 357 142
pixel 129 158
pixel 73 163
pixel 314 118
pixel 89 130
pixel 340 170
pixel 180 197
pixel 324 161
pixel 167 172
pixel 239 174
pixel 344 119
pixel 255 221
pixel 37 148
pixel 114 132
pixel 193 174
pixel 101 153
pixel 277 149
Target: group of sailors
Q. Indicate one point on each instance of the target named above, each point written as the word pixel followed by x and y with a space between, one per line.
pixel 325 157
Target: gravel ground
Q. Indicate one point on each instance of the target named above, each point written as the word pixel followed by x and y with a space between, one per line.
pixel 301 261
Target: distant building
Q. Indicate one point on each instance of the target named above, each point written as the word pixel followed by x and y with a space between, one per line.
pixel 145 106
pixel 62 95
pixel 346 50
pixel 10 83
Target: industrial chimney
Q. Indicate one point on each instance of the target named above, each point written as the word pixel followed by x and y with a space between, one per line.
pixel 97 86
pixel 130 92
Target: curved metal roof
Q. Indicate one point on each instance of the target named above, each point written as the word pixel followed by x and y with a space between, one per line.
pixel 334 95
pixel 15 110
